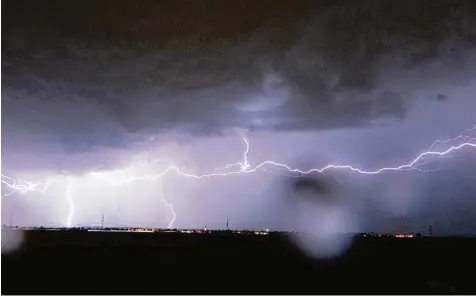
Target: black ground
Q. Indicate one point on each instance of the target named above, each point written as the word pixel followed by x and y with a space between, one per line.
pixel 142 263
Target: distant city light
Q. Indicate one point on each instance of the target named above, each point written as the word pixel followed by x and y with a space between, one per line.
pixel 193 231
pixel 404 235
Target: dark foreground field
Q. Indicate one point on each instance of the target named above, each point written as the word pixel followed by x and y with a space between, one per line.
pixel 141 263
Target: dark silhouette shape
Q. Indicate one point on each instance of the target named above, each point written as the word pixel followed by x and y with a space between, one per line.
pixel 321 185
pixel 441 97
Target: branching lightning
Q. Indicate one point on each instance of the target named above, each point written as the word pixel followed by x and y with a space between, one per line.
pixel 463 135
pixel 120 177
pixel 23 186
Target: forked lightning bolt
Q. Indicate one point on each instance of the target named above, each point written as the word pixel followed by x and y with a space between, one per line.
pixel 238 168
pixel 463 135
pixel 23 186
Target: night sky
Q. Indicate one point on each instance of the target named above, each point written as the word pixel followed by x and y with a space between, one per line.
pixel 95 91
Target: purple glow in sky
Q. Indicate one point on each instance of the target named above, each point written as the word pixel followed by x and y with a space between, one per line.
pixel 99 102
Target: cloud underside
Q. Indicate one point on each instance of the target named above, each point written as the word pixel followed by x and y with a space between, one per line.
pixel 330 70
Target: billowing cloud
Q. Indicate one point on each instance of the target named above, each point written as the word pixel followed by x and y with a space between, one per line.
pixel 331 68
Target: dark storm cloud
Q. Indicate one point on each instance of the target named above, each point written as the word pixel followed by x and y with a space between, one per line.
pixel 87 73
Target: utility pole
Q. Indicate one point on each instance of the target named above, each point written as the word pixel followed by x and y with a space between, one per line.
pixel 227 224
pixel 102 221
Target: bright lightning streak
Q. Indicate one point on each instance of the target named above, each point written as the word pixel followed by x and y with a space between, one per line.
pixel 68 194
pixel 23 186
pixel 361 171
pixel 168 205
pixel 245 167
pixel 242 167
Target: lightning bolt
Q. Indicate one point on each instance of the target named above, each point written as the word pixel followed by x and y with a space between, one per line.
pixel 68 194
pixel 238 168
pixel 463 135
pixel 23 186
pixel 167 204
